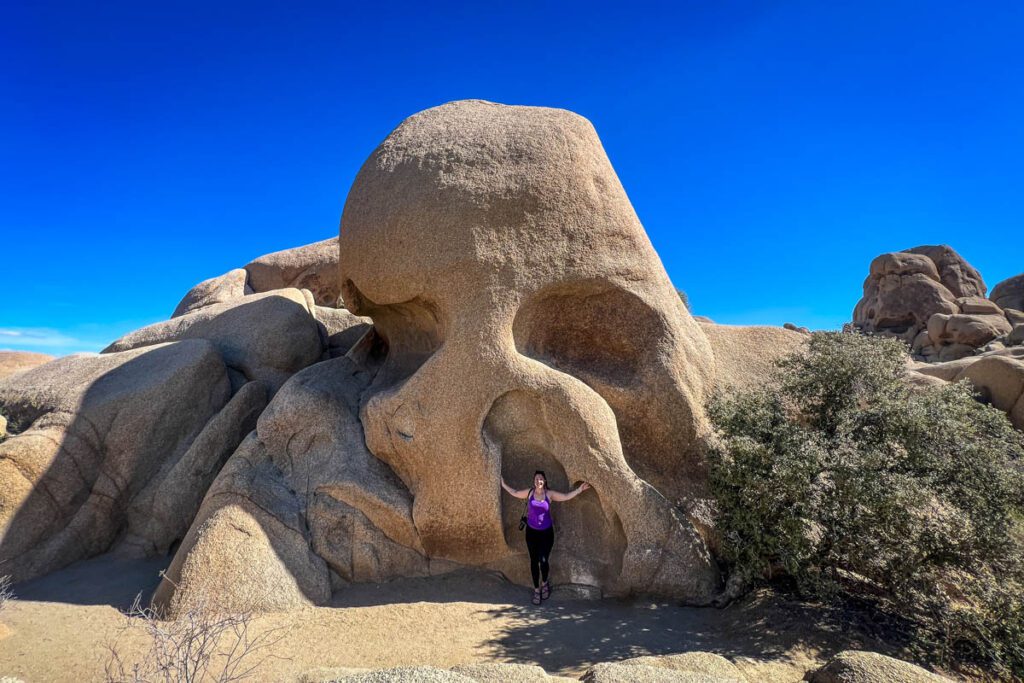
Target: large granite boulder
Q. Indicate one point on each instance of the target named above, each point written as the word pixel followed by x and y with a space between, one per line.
pixel 955 273
pixel 856 666
pixel 706 664
pixel 998 377
pixel 522 321
pixel 1010 293
pixel 266 337
pixel 902 291
pixel 313 267
pixel 230 286
pixel 105 434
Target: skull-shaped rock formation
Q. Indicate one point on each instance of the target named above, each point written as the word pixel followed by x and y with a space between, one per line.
pixel 529 324
pixel 522 321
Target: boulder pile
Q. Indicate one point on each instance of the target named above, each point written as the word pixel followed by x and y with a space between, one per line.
pixel 935 301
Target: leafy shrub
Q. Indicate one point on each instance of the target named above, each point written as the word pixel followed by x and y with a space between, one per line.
pixel 851 484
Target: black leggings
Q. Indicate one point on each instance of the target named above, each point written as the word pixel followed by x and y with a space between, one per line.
pixel 539 543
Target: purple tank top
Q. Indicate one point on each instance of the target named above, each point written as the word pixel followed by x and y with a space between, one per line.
pixel 538 514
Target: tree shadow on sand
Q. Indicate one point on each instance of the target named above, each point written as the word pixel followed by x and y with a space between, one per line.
pixel 567 635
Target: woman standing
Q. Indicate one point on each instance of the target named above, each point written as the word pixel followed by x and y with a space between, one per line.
pixel 540 533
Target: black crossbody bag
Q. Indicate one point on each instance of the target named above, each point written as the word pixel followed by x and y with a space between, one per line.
pixel 526 509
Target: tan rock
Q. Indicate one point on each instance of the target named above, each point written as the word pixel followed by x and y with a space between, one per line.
pixel 922 381
pixel 1015 318
pixel 504 673
pixel 976 305
pixel 341 328
pixel 355 514
pixel 218 290
pixel 616 672
pixel 854 666
pixel 694 662
pixel 955 273
pixel 19 361
pixel 101 428
pixel 902 291
pixel 409 674
pixel 954 352
pixel 473 220
pixel 999 379
pixel 248 549
pixel 969 330
pixel 1010 293
pixel 746 356
pixel 264 337
pixel 313 267
pixel 1016 337
pixel 794 328
pixel 157 520
pixel 947 372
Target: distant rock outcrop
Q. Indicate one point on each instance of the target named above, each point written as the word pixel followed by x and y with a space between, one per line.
pixel 18 361
pixel 935 301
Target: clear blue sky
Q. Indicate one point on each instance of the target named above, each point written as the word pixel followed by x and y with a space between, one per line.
pixel 771 149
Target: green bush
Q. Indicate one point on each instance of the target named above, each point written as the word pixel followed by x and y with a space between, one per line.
pixel 853 485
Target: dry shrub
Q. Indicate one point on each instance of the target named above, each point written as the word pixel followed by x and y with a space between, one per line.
pixel 5 591
pixel 204 643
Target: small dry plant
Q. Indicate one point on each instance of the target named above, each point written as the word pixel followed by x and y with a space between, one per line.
pixel 204 643
pixel 5 591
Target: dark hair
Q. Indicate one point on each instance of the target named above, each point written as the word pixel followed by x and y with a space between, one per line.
pixel 541 473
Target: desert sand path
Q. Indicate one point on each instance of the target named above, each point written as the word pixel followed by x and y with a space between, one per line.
pixel 57 628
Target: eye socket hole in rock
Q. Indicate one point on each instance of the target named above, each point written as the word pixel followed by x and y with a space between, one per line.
pixel 589 329
pixel 410 331
pixel 591 544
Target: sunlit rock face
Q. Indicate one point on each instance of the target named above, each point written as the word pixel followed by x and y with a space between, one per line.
pixel 522 321
pixel 933 299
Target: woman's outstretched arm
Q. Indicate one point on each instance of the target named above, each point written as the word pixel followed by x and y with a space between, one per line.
pixel 523 493
pixel 557 496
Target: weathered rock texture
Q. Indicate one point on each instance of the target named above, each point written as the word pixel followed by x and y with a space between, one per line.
pixel 104 430
pixel 218 290
pixel 18 361
pixel 854 666
pixel 313 267
pixel 1010 293
pixel 522 320
pixel 935 301
pixel 266 337
pixel 746 356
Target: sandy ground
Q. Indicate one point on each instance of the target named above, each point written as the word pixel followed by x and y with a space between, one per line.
pixel 58 627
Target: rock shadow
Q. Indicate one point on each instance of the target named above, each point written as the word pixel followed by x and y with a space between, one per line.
pixel 96 433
